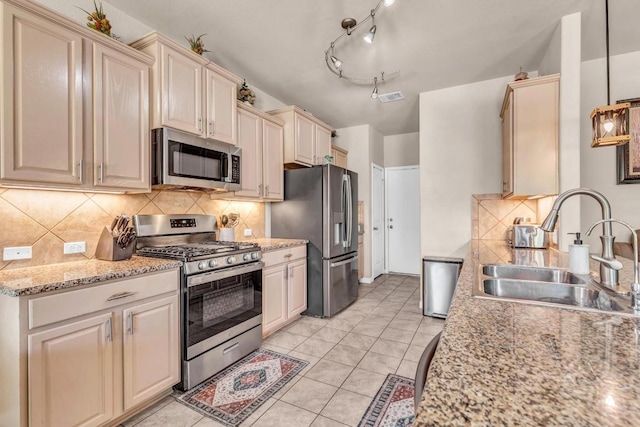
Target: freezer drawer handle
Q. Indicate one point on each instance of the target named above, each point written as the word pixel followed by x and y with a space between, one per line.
pixel 346 261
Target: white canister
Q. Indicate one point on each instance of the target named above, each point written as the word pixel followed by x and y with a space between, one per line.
pixel 227 235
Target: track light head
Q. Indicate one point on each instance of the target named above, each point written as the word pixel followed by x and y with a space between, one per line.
pixel 370 35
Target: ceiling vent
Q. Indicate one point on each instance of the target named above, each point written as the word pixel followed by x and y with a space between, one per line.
pixel 390 97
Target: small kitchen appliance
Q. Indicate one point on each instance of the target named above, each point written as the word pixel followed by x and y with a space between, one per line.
pixel 527 236
pixel 221 290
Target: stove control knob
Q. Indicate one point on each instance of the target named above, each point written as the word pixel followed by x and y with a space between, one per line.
pixel 246 257
pixel 254 255
pixel 202 265
pixel 213 263
pixel 231 259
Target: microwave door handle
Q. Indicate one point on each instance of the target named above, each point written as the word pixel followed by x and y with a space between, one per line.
pixel 224 167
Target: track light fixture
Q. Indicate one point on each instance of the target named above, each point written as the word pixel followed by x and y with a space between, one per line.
pixel 350 25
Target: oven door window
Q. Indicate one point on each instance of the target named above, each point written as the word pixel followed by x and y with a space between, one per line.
pixel 216 306
pixel 195 162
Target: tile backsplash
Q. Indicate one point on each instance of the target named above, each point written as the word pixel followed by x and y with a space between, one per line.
pixel 48 219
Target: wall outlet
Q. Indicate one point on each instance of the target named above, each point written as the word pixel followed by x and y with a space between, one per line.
pixel 18 252
pixel 75 247
pixel 248 232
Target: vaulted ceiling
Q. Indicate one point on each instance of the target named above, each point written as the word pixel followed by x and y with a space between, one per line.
pixel 278 46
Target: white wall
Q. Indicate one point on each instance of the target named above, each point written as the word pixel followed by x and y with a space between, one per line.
pixel 550 63
pixel 402 150
pixel 598 165
pixel 460 155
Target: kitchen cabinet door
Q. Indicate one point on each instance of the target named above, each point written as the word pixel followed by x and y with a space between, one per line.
pixel 181 92
pixel 220 108
pixel 305 140
pixel 250 141
pixel 339 157
pixel 151 349
pixel 273 161
pixel 42 116
pixel 297 285
pixel 71 374
pixel 323 144
pixel 507 148
pixel 274 298
pixel 121 120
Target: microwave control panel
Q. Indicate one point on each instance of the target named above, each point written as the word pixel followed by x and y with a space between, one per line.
pixel 235 169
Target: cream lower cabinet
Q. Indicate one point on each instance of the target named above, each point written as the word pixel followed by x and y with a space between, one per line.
pixel 75 105
pixel 88 369
pixel 261 138
pixel 284 287
pixel 307 140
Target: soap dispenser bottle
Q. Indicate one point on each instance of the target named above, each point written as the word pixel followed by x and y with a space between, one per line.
pixel 578 256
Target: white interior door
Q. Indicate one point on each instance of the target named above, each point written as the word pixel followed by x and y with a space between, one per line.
pixel 403 219
pixel 377 222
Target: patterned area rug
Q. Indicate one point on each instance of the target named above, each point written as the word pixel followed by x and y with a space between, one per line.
pixel 393 405
pixel 232 395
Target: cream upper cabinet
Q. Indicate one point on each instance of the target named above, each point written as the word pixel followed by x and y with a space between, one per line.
pixel 530 131
pixel 189 92
pixel 151 349
pixel 306 139
pixel 71 374
pixel 261 138
pixel 339 156
pixel 284 287
pixel 75 105
pixel 121 120
pixel 42 116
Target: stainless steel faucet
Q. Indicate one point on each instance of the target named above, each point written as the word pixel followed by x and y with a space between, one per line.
pixel 608 275
pixel 635 286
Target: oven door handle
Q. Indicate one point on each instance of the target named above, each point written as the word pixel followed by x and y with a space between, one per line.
pixel 199 279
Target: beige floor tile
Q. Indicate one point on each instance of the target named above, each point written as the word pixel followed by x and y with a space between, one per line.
pixel 275 348
pixel 148 412
pixel 430 329
pixel 258 413
pixel 346 355
pixel 414 353
pixel 314 320
pixel 363 342
pixel 329 372
pixel 321 421
pixel 346 407
pixel 379 363
pixel 208 422
pixel 389 348
pixel 407 369
pixel 393 334
pixel 405 325
pixel 369 330
pixel 282 414
pixel 286 387
pixel 174 414
pixel 285 339
pixel 309 394
pixel 422 340
pixel 343 324
pixel 407 315
pixel 304 329
pixel 314 347
pixel 377 320
pixel 311 359
pixel 330 334
pixel 364 382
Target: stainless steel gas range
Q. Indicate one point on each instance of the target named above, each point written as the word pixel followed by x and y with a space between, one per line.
pixel 221 290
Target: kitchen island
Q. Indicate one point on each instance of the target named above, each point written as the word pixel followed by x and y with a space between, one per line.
pixel 506 363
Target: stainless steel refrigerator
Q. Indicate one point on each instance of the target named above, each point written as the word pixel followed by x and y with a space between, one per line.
pixel 320 204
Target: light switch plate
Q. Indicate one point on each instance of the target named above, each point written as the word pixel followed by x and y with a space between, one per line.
pixel 75 247
pixel 18 252
pixel 248 232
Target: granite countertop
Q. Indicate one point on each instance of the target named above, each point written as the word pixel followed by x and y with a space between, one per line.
pixel 273 244
pixel 506 363
pixel 34 280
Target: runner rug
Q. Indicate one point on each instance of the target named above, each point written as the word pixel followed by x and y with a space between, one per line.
pixel 393 405
pixel 232 395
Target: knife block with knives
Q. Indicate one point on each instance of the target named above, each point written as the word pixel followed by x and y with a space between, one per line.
pixel 116 242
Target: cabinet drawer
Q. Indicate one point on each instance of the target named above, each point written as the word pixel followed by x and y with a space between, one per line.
pixel 54 308
pixel 284 255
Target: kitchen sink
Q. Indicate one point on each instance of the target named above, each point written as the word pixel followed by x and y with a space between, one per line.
pixel 552 275
pixel 551 293
pixel 552 287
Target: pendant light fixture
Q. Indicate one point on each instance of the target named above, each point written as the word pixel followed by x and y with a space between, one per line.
pixel 610 123
pixel 350 25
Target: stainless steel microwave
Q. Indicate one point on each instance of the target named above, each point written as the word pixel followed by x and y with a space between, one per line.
pixel 184 161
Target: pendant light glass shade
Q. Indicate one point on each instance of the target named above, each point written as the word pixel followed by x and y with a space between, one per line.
pixel 610 125
pixel 370 35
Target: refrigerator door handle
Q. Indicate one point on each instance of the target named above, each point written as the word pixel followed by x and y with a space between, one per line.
pixel 349 212
pixel 346 261
pixel 345 210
